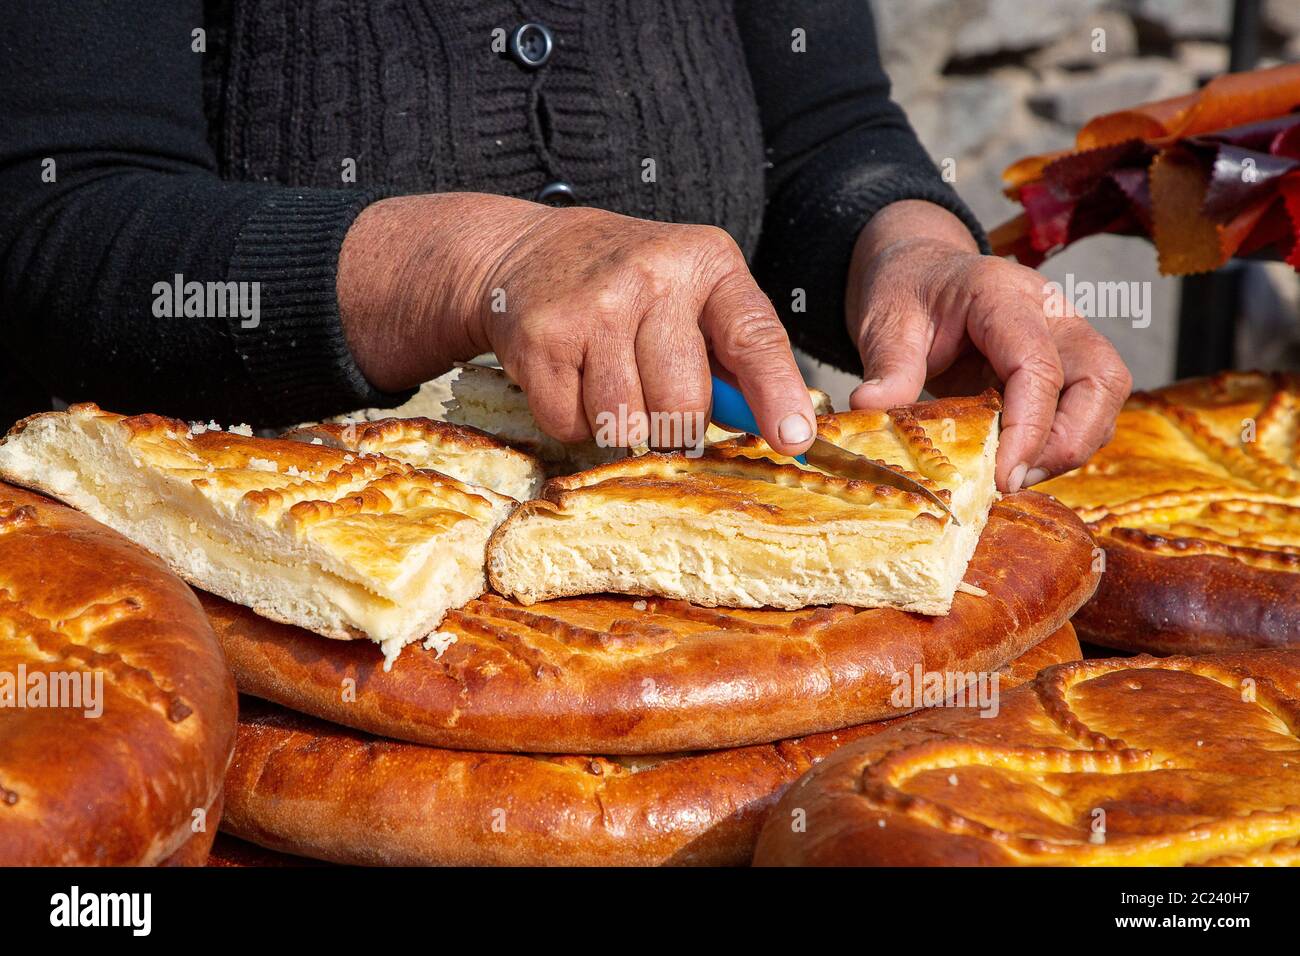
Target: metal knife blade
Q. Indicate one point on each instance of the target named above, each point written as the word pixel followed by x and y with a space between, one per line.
pixel 846 464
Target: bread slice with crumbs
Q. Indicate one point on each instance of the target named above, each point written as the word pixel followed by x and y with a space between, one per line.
pixel 342 544
pixel 741 526
pixel 460 451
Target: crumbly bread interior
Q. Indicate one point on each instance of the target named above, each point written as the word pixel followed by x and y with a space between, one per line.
pixel 735 529
pixel 429 401
pixel 485 397
pixel 347 546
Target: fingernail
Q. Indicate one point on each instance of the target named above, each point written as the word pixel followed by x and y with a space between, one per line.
pixel 794 430
pixel 1034 476
pixel 872 381
pixel 1016 480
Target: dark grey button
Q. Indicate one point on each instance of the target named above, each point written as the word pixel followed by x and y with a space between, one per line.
pixel 531 45
pixel 558 193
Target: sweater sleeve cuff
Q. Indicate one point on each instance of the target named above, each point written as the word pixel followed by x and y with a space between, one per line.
pixel 813 222
pixel 294 349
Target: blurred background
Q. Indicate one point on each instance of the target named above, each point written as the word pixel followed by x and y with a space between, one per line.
pixel 986 82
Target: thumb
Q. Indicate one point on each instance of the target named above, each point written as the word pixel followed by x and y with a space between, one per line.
pixel 749 341
pixel 895 347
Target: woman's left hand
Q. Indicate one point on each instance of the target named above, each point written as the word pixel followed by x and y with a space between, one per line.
pixel 926 309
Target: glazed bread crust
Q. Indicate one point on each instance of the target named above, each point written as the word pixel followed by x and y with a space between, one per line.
pixel 1196 502
pixel 466 454
pixel 301 786
pixel 121 788
pixel 1124 762
pixel 343 544
pixel 197 850
pixel 620 675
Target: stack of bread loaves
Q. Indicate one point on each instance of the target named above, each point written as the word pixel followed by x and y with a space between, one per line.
pixel 1188 759
pixel 629 667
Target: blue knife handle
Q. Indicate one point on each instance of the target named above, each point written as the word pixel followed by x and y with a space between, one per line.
pixel 730 408
pixel 731 411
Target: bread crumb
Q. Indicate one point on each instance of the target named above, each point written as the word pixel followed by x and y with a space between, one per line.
pixel 438 642
pixel 965 588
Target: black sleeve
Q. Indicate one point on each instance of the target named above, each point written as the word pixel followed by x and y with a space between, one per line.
pixel 108 187
pixel 839 151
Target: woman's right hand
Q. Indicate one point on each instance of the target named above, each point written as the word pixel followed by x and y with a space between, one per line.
pixel 586 309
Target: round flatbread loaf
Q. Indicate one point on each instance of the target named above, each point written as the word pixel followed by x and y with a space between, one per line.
pixel 117 712
pixel 1196 502
pixel 625 675
pixel 1124 762
pixel 301 786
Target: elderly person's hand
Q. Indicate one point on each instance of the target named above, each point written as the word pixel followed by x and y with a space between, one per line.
pixel 927 310
pixel 587 310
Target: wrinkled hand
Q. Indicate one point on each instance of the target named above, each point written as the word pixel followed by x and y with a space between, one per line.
pixel 927 310
pixel 603 309
pixel 587 310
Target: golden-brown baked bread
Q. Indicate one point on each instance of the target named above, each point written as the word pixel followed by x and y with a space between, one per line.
pixel 146 719
pixel 198 848
pixel 301 786
pixel 1125 762
pixel 733 528
pixel 1197 503
pixel 464 453
pixel 620 675
pixel 342 544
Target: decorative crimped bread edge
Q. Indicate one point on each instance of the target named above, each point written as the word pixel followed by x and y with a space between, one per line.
pixel 558 493
pixel 1280 558
pixel 880 782
pixel 1253 466
pixel 1276 482
pixel 906 421
pixel 307 500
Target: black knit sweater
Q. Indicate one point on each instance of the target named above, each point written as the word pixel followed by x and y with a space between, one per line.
pixel 227 164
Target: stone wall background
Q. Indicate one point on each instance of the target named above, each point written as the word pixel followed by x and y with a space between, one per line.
pixel 986 82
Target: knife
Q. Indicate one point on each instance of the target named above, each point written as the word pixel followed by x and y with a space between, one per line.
pixel 732 411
